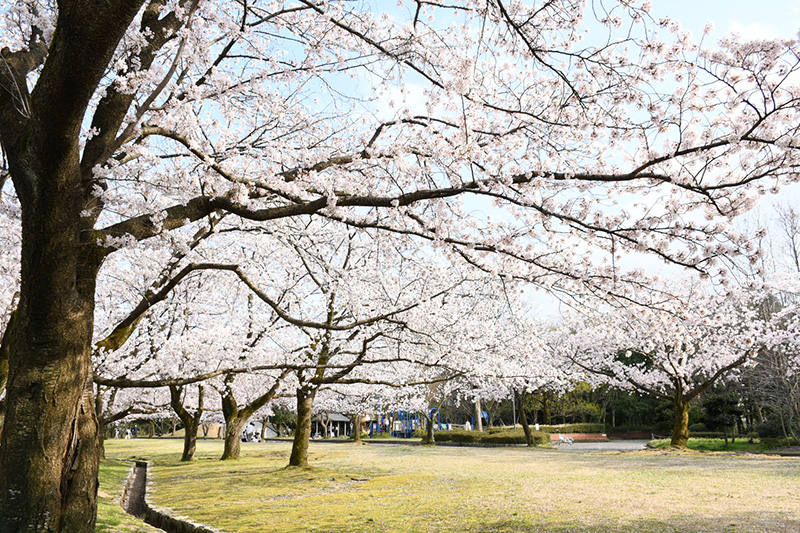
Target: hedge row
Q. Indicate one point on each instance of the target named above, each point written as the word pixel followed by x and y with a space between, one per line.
pixel 574 428
pixel 491 437
pixel 563 428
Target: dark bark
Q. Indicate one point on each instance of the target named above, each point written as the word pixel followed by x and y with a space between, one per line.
pixel 264 422
pixel 302 433
pixel 680 422
pixel 478 416
pixel 236 418
pixel 521 398
pixel 548 418
pixel 233 439
pixel 234 424
pixel 430 438
pixel 102 424
pixel 191 422
pixel 357 428
pixel 49 452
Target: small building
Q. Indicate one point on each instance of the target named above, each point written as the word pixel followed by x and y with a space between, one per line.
pixel 336 423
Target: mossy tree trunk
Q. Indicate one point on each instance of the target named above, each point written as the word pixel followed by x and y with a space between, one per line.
pixel 478 416
pixel 234 424
pixel 233 438
pixel 49 450
pixel 191 422
pixel 680 422
pixel 357 428
pixel 546 414
pixel 302 433
pixel 430 436
pixel 521 398
pixel 236 418
pixel 5 353
pixel 264 421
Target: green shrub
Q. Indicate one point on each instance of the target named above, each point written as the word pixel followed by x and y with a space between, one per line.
pixel 507 436
pixel 774 442
pixel 504 437
pixel 632 429
pixel 516 437
pixel 771 428
pixel 574 428
pixel 698 427
pixel 457 435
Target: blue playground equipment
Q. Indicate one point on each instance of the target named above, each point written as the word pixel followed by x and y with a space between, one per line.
pixel 404 424
pixel 401 424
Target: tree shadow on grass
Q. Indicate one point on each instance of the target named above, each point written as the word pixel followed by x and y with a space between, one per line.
pixel 760 522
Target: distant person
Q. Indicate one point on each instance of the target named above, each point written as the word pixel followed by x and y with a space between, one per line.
pixel 467 426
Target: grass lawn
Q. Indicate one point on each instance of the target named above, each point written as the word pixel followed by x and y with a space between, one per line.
pixel 110 516
pixel 420 489
pixel 716 445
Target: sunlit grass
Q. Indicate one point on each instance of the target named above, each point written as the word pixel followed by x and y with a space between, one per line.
pixel 110 516
pixel 716 445
pixel 415 488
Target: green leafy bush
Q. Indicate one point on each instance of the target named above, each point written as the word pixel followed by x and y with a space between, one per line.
pixel 774 442
pixel 771 428
pixel 491 437
pixel 516 437
pixel 574 428
pixel 632 429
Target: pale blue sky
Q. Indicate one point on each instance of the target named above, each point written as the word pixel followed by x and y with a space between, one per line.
pixel 751 18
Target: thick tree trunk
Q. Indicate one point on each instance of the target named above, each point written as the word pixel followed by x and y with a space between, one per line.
pixel 264 421
pixel 50 449
pixel 191 422
pixel 523 417
pixel 302 434
pixel 102 423
pixel 680 423
pixel 233 438
pixel 430 438
pixel 189 439
pixel 548 417
pixel 235 418
pixel 49 453
pixel 5 353
pixel 478 416
pixel 357 428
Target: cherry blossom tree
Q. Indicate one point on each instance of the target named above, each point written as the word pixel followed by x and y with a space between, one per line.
pixel 674 350
pixel 131 123
pixel 183 342
pixel 355 304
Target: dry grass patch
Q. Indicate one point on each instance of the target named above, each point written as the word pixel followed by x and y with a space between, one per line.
pixel 422 489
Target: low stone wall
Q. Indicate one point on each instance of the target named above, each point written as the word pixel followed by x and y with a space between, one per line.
pixel 160 518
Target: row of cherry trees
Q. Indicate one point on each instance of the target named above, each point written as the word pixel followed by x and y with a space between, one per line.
pixel 674 345
pixel 151 147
